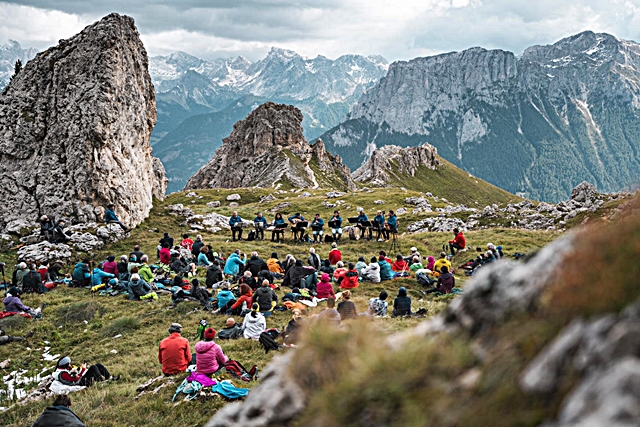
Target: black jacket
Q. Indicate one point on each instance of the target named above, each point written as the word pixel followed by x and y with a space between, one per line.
pixel 58 416
pixel 264 296
pixel 402 306
pixel 195 248
pixel 255 265
pixel 214 275
pixel 294 275
pixel 168 240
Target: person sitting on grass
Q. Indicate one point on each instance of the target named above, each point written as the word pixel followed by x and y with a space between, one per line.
pixel 458 242
pixel 402 303
pixel 110 265
pixel 83 376
pixel 339 272
pixel 138 288
pixel 442 262
pixel 174 353
pixel 400 264
pixel 248 279
pixel 13 304
pixel 231 330
pixel 225 295
pixel 186 242
pixel 361 265
pixel 266 298
pixel 371 273
pixel 326 267
pixel 203 261
pixel 145 271
pixel 235 263
pixel 415 264
pixel 378 306
pixel 446 281
pixel 334 254
pixel 200 293
pixel 254 323
pixel 346 307
pixel 324 288
pixel 350 278
pixel 59 414
pixel 385 269
pixel 275 267
pixel 81 273
pixel 99 275
pixel 329 315
pixel 209 356
pixel 239 306
pixel 292 331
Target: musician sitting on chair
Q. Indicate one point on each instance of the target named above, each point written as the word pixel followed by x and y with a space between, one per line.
pixel 298 232
pixel 275 231
pixel 336 226
pixel 317 225
pixel 378 225
pixel 236 226
pixel 260 223
pixel 362 218
pixel 392 221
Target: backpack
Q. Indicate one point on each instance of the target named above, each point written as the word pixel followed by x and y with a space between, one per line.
pixel 352 234
pixel 251 236
pixel 235 369
pixel 305 238
pixel 229 333
pixel 202 326
pixel 328 239
pixel 424 279
pixel 267 339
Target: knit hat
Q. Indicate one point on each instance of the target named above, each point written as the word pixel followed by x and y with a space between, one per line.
pixel 14 291
pixel 175 327
pixel 64 361
pixel 209 334
pixel 230 322
pixel 325 277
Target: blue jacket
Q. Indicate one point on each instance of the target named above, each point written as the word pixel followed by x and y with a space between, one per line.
pixel 203 260
pixel 233 221
pixel 393 221
pixel 319 224
pixel 110 216
pixel 385 270
pixel 278 221
pixel 262 220
pixel 293 216
pixel 339 219
pixel 379 221
pixel 224 296
pixel 98 275
pixel 363 217
pixel 232 266
pixel 80 272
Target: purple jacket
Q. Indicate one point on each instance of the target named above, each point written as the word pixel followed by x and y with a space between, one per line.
pixel 14 305
pixel 209 357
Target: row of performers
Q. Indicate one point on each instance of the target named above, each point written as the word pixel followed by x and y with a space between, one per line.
pixel 383 226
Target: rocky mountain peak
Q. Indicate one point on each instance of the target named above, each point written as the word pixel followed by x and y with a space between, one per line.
pixel 391 158
pixel 75 127
pixel 271 147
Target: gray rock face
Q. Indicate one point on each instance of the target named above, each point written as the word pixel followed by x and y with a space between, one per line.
pixel 268 147
pixel 578 96
pixel 391 159
pixel 75 127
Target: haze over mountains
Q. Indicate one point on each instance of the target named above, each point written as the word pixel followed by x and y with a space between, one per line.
pixel 9 54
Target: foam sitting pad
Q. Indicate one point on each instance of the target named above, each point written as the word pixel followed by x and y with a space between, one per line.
pixel 150 295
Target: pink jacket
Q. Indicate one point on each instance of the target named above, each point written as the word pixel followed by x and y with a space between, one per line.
pixel 324 288
pixel 209 357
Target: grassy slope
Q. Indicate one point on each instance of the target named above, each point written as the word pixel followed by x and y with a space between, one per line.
pixel 143 325
pixel 421 384
pixel 454 184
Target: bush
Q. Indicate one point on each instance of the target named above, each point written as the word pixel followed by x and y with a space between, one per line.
pixel 120 326
pixel 12 322
pixel 78 312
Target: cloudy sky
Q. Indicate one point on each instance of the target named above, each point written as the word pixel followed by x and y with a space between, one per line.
pixel 395 29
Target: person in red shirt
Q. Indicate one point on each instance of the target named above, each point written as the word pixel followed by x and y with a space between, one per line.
pixel 186 243
pixel 400 265
pixel 458 242
pixel 174 353
pixel 335 255
pixel 70 375
pixel 386 258
pixel 165 254
pixel 235 307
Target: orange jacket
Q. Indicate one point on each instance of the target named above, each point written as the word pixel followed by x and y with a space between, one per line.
pixel 174 354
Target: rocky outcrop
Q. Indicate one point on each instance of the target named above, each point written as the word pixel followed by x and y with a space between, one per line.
pixel 268 148
pixel 74 130
pixel 391 159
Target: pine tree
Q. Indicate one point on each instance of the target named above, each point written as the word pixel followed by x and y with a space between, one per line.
pixel 16 69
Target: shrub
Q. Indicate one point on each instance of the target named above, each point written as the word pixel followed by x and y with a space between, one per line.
pixel 78 312
pixel 121 325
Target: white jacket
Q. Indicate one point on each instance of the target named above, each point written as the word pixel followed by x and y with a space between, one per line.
pixel 254 326
pixel 372 272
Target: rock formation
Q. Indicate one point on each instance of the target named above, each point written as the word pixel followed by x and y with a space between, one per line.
pixel 74 130
pixel 391 158
pixel 268 148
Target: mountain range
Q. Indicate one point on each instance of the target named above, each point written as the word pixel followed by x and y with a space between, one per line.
pixel 9 54
pixel 535 125
pixel 199 101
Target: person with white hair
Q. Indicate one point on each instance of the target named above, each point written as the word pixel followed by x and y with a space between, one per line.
pixel 256 264
pixel 314 259
pixel 19 273
pixel 144 270
pixel 46 227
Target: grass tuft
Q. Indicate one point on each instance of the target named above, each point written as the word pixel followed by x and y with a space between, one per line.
pixel 121 325
pixel 78 312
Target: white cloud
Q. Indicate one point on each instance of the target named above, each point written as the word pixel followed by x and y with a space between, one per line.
pixel 396 30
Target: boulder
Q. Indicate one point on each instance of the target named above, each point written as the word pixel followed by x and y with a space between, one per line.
pixel 233 197
pixel 583 192
pixel 214 204
pixel 75 125
pixel 45 252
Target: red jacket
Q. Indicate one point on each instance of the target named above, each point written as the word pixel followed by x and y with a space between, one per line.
pixel 174 354
pixel 334 256
pixel 400 266
pixel 247 297
pixel 65 377
pixel 349 279
pixel 459 240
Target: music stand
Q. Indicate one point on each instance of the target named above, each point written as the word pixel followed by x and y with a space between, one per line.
pixel 279 230
pixel 334 223
pixel 353 220
pixel 395 245
pixel 366 225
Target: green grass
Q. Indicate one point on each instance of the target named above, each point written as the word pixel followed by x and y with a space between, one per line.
pixel 143 324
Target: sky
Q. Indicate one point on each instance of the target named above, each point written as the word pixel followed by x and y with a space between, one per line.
pixel 395 29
